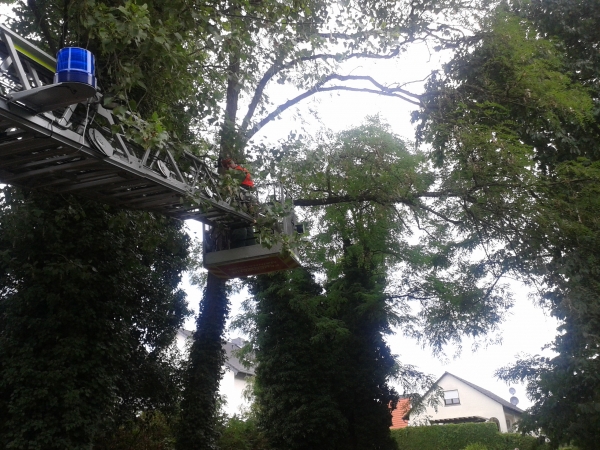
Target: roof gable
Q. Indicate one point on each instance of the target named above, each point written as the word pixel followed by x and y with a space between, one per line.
pixel 485 392
pixel 233 362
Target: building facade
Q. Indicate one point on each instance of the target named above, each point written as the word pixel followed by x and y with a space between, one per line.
pixel 464 402
pixel 236 377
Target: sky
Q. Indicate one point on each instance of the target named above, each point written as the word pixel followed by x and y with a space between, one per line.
pixel 526 329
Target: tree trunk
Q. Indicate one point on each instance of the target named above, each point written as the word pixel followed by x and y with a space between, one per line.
pixel 197 427
pixel 198 422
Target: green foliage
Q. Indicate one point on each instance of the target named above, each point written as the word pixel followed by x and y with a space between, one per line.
pixel 463 436
pixel 363 171
pixel 198 424
pixel 514 126
pixel 475 447
pixel 89 307
pixel 148 431
pixel 337 332
pixel 504 94
pixel 295 408
pixel 147 57
pixel 240 434
pixel 300 333
pixel 365 364
pixel 367 185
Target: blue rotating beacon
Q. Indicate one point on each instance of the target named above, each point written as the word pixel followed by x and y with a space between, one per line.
pixel 74 64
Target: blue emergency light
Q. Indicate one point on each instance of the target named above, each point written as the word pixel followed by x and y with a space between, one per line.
pixel 74 64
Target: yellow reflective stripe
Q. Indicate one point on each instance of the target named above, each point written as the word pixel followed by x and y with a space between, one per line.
pixel 35 58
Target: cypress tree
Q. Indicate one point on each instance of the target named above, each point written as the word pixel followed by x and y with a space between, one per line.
pixel 322 364
pixel 198 424
pixel 89 305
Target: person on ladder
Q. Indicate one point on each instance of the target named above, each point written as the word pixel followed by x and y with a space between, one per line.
pixel 241 237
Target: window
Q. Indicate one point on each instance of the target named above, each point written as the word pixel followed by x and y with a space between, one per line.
pixel 451 398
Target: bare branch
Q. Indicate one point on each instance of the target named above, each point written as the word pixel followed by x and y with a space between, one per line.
pixel 389 92
pixel 277 67
pixel 418 81
pixel 258 93
pixel 377 84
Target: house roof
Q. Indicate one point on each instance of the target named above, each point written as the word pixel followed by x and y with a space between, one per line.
pixel 231 348
pixel 485 392
pixel 233 361
pixel 399 419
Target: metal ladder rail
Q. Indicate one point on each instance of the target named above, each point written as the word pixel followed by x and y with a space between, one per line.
pixel 33 155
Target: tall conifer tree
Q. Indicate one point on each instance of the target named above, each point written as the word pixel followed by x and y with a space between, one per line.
pixel 89 306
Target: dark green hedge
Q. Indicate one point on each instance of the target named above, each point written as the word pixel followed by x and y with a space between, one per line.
pixel 457 437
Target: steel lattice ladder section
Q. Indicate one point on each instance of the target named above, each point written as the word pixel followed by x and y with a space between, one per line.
pixel 63 150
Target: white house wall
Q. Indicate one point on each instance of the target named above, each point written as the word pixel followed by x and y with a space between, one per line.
pixel 231 387
pixel 472 403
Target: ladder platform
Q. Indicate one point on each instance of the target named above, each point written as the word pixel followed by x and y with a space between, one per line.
pixel 52 138
pixel 53 96
pixel 60 161
pixel 249 260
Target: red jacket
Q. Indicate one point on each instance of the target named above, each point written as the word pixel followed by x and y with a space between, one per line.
pixel 248 183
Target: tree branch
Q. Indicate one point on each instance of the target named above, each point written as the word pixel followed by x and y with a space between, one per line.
pixel 390 92
pixel 277 67
pixel 33 6
pixel 408 201
pixel 377 84
pixel 435 213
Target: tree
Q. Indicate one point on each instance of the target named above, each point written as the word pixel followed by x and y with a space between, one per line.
pixel 367 185
pixel 513 123
pixel 89 307
pixel 198 424
pixel 253 44
pixel 293 388
pixel 566 387
pixel 365 362
pixel 322 365
pixel 362 186
pixel 90 298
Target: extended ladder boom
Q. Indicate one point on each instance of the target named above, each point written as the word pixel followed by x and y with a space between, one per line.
pixel 47 142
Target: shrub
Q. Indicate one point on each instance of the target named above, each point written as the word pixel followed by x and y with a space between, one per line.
pixel 149 431
pixel 459 437
pixel 475 447
pixel 241 434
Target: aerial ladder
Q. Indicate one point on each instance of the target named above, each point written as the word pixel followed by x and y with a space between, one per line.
pixel 55 135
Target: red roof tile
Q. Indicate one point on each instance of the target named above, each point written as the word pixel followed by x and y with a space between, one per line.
pixel 398 420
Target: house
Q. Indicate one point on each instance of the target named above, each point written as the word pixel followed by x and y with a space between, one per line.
pixel 466 402
pixel 235 379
